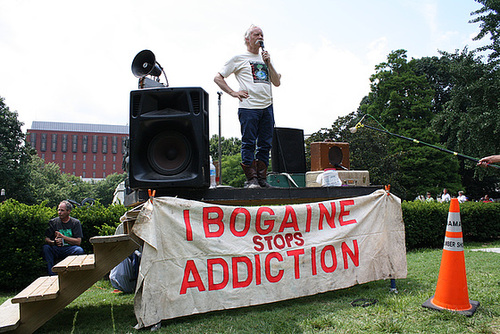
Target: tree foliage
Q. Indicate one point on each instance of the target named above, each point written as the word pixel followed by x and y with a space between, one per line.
pixel 14 155
pixel 232 173
pixel 48 183
pixel 229 146
pixel 401 101
pixel 488 18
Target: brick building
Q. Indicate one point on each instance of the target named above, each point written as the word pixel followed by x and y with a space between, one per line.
pixel 90 151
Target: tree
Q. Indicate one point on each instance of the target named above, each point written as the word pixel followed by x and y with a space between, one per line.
pixel 230 146
pixel 14 156
pixel 401 99
pixel 470 120
pixel 231 171
pixel 104 189
pixel 489 18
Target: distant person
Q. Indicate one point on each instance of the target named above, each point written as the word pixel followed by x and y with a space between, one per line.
pixel 445 196
pixel 489 160
pixel 461 197
pixel 429 198
pixel 63 237
pixel 486 199
pixel 255 73
pixel 420 198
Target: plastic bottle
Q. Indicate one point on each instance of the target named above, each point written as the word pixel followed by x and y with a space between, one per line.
pixel 331 178
pixel 213 182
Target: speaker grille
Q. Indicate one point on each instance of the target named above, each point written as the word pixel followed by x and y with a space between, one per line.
pixel 169 153
pixel 169 144
pixel 288 151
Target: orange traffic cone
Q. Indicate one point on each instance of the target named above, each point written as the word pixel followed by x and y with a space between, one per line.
pixel 451 290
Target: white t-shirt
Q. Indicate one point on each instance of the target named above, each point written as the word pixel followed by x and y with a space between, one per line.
pixel 252 75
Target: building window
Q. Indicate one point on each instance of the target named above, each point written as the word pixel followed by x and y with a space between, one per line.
pixel 93 166
pixel 94 144
pixel 104 175
pixel 63 165
pixel 74 144
pixel 95 157
pixel 84 157
pixel 43 146
pixel 93 175
pixel 64 157
pixel 114 144
pixel 43 156
pixel 104 166
pixel 114 167
pixel 53 156
pixel 103 158
pixel 85 142
pixel 53 142
pixel 105 144
pixel 33 140
pixel 124 145
pixel 74 167
pixel 64 145
pixel 83 174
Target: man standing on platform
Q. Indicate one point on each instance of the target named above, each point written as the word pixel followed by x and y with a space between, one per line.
pixel 255 73
pixel 63 237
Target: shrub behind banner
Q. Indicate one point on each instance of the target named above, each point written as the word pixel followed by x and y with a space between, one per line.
pixel 22 235
pixel 425 223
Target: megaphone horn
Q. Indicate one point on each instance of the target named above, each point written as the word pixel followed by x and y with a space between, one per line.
pixel 144 64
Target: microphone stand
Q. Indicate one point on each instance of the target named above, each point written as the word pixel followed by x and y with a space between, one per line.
pixel 219 148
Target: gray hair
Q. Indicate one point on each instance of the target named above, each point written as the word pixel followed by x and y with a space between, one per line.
pixel 249 31
pixel 68 205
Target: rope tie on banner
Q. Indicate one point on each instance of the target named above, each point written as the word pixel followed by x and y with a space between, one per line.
pixel 388 189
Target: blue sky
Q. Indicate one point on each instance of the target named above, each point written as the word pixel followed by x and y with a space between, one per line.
pixel 70 61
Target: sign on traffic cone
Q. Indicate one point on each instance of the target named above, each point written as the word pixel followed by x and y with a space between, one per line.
pixel 451 290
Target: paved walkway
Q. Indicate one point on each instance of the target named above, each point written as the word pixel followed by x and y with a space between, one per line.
pixel 493 250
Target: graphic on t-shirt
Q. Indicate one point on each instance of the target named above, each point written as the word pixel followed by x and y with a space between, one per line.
pixel 67 233
pixel 259 72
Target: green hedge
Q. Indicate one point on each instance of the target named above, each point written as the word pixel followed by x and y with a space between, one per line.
pixel 22 230
pixel 22 235
pixel 425 223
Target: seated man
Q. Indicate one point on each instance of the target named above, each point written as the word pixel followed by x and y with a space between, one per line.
pixel 63 237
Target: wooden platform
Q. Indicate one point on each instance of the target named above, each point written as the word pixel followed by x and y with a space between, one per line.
pixel 259 196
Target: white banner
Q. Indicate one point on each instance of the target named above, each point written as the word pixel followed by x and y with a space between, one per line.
pixel 201 257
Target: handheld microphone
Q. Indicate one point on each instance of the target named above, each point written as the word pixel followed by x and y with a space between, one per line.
pixel 261 42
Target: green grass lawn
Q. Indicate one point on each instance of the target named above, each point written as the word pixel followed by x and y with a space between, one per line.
pixel 99 310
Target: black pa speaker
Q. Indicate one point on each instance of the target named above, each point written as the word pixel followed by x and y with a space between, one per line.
pixel 169 139
pixel 288 151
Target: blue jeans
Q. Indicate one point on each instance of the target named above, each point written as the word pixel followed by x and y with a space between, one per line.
pixel 257 127
pixel 51 254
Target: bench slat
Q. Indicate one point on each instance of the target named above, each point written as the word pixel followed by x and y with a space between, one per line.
pixel 43 288
pixel 109 238
pixel 75 262
pixel 10 316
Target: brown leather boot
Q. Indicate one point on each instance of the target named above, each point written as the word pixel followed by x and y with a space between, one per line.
pixel 251 175
pixel 262 174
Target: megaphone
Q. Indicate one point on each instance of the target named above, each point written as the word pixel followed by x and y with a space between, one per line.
pixel 145 63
